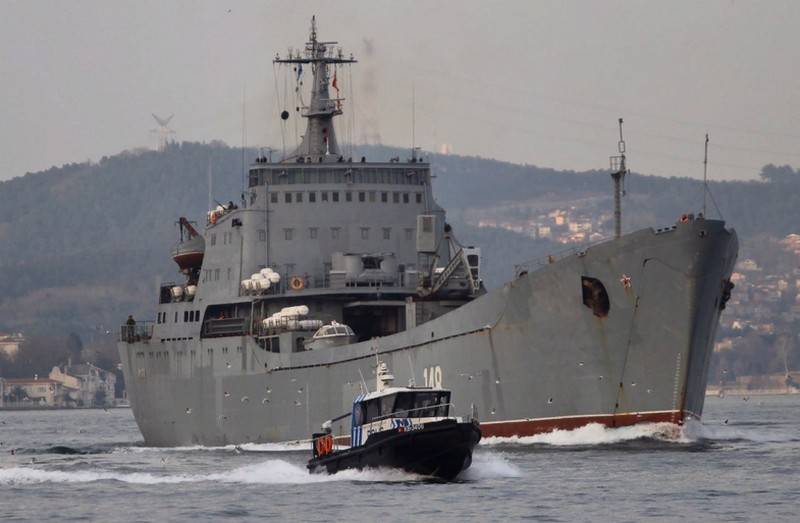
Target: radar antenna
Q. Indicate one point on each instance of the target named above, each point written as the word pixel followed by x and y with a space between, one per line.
pixel 618 172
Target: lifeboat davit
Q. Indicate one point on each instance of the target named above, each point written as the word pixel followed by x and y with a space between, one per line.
pixel 190 249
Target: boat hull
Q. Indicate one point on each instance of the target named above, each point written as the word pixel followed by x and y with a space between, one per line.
pixel 526 358
pixel 440 449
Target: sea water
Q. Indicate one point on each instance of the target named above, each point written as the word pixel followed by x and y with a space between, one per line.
pixel 742 463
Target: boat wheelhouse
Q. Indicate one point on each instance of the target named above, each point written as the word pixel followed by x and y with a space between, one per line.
pixel 400 427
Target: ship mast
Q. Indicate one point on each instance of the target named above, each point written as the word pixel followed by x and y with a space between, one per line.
pixel 319 142
pixel 619 170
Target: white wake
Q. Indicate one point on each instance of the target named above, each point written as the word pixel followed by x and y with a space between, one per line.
pixel 275 471
pixel 596 434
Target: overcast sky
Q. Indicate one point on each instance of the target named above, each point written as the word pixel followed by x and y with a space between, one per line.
pixel 524 81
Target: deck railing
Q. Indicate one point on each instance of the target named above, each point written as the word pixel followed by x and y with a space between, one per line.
pixel 141 331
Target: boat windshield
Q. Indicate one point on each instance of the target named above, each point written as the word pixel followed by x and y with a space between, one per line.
pixel 334 330
pixel 411 404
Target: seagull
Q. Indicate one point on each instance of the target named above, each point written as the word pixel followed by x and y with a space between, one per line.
pixel 188 410
pixel 227 394
pixel 726 421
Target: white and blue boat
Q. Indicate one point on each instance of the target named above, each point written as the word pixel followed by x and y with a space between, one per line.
pixel 408 428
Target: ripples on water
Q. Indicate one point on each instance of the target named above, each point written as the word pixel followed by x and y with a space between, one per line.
pixel 742 463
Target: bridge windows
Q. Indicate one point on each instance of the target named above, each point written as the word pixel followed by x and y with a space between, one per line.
pixel 262 235
pixel 287 197
pixel 409 234
pixel 395 197
pixel 348 196
pixel 405 197
pixel 372 197
pixel 365 233
pixel 324 196
pixel 273 197
pixel 298 197
pixel 387 233
pixel 362 196
pixel 419 197
pixel 384 197
pixel 288 234
pixel 335 196
pixel 335 232
pixel 312 197
pixel 312 233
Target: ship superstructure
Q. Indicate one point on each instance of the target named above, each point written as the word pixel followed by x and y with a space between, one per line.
pixel 288 295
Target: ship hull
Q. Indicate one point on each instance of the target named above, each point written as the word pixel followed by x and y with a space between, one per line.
pixel 526 358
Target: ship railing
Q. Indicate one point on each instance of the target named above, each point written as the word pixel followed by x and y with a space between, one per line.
pixel 399 281
pixel 141 331
pixel 537 263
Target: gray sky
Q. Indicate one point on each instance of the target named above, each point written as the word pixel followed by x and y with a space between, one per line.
pixel 524 81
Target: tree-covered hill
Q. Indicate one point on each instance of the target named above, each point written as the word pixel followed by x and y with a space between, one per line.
pixel 83 245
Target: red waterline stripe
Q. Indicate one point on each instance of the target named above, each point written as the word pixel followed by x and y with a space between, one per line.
pixel 539 426
pixel 532 427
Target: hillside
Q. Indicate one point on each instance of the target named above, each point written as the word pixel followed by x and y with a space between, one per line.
pixel 83 245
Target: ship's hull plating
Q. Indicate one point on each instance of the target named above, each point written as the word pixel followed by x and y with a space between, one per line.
pixel 526 358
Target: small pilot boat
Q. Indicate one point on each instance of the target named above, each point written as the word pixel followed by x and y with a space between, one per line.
pixel 408 428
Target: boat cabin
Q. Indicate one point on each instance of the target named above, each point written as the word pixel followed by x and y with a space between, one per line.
pixel 397 408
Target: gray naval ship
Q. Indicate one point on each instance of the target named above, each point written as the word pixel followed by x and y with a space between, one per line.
pixel 288 298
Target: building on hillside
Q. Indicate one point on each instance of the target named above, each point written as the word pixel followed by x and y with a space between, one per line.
pixel 96 384
pixel 9 344
pixel 747 265
pixel 71 385
pixel 34 391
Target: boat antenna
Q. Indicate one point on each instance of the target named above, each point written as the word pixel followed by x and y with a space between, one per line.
pixel 244 133
pixel 413 122
pixel 210 184
pixel 705 176
pixel 412 381
pixel 618 172
pixel 363 383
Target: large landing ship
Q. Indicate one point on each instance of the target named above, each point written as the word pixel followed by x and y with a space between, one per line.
pixel 328 263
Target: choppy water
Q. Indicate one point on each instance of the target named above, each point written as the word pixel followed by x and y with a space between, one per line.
pixel 91 465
